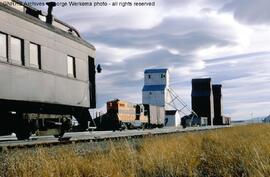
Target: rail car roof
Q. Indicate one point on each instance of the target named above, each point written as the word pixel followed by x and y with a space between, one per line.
pixel 69 33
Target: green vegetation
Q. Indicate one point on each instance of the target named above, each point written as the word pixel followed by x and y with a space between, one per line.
pixel 238 151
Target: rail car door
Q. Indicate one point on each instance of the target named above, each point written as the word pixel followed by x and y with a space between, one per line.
pixel 92 81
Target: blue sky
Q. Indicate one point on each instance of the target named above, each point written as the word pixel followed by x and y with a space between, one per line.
pixel 227 40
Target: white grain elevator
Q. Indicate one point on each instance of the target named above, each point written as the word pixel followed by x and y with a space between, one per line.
pixel 156 87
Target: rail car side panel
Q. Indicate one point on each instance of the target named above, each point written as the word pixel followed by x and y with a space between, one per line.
pixel 18 83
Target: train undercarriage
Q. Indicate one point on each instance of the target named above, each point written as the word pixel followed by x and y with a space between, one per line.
pixel 27 118
pixel 26 124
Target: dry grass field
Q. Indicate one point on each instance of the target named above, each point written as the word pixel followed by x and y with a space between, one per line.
pixel 232 152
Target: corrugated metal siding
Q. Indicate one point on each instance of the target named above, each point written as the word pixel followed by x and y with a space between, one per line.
pixel 156 114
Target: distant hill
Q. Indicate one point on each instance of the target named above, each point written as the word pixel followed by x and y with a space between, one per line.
pixel 255 120
pixel 260 119
pixel 249 121
pixel 267 119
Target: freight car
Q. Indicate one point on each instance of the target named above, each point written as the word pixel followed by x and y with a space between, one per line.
pixel 47 72
pixel 124 115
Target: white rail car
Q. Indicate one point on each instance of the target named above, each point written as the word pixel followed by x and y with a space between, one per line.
pixel 47 72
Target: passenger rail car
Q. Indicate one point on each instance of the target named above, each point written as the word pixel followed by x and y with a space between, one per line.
pixel 124 115
pixel 47 72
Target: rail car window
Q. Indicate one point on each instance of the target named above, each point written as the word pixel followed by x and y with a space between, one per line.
pixel 3 46
pixel 35 55
pixel 17 50
pixel 71 66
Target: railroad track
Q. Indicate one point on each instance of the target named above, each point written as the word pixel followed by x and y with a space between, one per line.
pixel 10 142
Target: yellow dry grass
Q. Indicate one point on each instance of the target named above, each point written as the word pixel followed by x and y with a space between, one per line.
pixel 232 152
